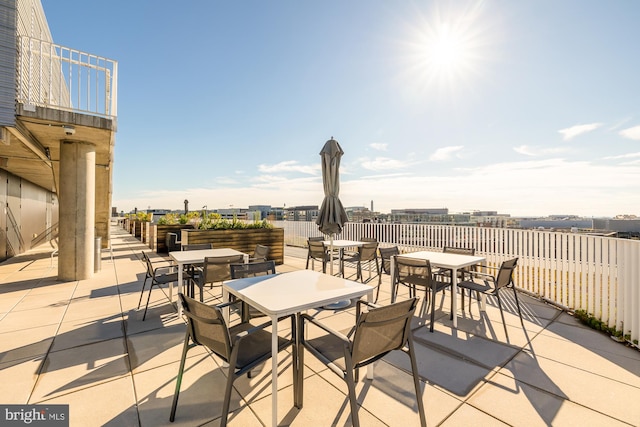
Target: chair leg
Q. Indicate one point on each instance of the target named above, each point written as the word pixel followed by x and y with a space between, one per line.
pixel 227 395
pixel 142 292
pixel 515 293
pixel 433 308
pixel 174 406
pixel 144 316
pixel 416 383
pixel 352 397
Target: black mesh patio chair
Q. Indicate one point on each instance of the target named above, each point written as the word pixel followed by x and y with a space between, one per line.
pixel 378 331
pixel 214 270
pixel 254 269
pixel 242 346
pixel 367 239
pixel 488 284
pixel 261 253
pixel 159 275
pixel 417 273
pixel 367 253
pixel 317 252
pixel 172 242
pixel 385 264
pixel 197 246
pixel 462 273
pixel 385 258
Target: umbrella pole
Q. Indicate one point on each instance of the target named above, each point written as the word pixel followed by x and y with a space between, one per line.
pixel 331 252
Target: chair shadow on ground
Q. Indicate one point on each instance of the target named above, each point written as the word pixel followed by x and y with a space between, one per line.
pixel 462 360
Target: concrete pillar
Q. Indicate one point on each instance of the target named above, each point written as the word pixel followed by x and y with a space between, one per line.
pixel 77 210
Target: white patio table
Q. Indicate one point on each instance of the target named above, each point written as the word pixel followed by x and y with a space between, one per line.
pixel 341 244
pixel 182 258
pixel 291 293
pixel 446 260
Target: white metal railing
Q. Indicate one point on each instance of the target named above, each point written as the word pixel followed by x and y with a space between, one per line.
pixel 600 275
pixel 51 75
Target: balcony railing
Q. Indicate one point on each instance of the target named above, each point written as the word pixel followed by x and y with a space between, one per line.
pixel 54 76
pixel 600 275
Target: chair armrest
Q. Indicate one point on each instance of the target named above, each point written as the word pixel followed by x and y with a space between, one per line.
pixel 337 334
pixel 363 302
pixel 478 274
pixel 255 329
pixel 167 267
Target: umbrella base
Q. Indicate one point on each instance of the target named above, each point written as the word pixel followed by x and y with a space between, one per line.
pixel 338 305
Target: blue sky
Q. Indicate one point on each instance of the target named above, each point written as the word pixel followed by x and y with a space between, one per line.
pixel 522 107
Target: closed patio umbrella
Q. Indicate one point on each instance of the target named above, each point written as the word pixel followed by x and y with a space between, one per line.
pixel 332 216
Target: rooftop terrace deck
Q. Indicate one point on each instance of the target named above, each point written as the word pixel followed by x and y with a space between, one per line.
pixel 83 343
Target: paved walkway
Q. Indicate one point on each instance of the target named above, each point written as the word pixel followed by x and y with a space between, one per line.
pixel 83 343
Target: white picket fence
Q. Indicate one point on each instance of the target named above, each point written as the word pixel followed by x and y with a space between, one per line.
pixel 600 275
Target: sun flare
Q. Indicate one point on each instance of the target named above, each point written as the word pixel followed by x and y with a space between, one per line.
pixel 446 49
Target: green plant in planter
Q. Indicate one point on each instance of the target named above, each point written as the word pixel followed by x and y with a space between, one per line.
pixel 143 216
pixel 168 219
pixel 218 223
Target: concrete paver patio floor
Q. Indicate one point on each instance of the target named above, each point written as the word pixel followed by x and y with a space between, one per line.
pixel 83 343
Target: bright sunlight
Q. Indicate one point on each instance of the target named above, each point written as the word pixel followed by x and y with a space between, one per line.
pixel 447 49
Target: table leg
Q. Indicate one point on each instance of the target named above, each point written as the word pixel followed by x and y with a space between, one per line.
pixel 226 311
pixel 274 371
pixel 392 269
pixel 454 296
pixel 180 279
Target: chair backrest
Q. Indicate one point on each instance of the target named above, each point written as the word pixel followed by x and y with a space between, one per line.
pixel 207 326
pixel 459 251
pixel 368 239
pixel 261 252
pixel 411 271
pixel 383 329
pixel 316 239
pixel 216 268
pixel 197 246
pixel 239 271
pixel 316 249
pixel 368 251
pixel 148 264
pixel 171 241
pixel 386 254
pixel 505 274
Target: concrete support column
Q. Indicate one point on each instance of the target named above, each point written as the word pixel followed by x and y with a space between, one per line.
pixel 77 210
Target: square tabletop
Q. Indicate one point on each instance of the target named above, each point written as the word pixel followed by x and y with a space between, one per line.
pixel 293 292
pixel 198 256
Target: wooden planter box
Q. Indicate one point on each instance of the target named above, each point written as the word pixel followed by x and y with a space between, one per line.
pixel 159 242
pixel 241 240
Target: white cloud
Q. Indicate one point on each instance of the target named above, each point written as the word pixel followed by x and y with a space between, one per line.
pixel 445 153
pixel 535 151
pixel 524 149
pixel 631 133
pixel 383 163
pixel 379 146
pixel 534 187
pixel 623 156
pixel 573 131
pixel 290 166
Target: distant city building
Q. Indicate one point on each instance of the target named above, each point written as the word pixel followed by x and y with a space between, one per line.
pixel 263 211
pixel 359 214
pixel 301 213
pixel 428 216
pixel 631 226
pixel 557 222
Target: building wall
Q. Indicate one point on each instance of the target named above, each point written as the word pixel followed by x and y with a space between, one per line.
pixel 27 213
pixel 7 62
